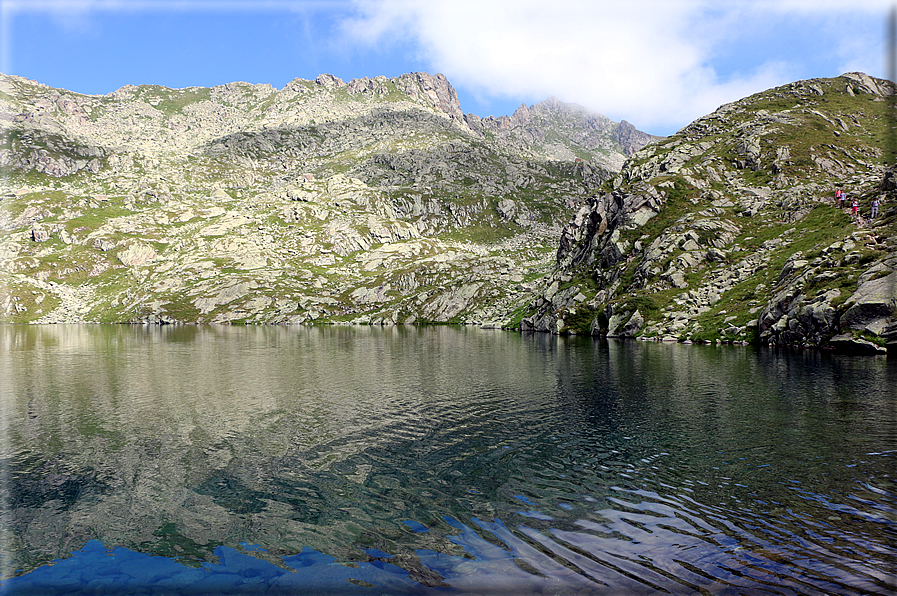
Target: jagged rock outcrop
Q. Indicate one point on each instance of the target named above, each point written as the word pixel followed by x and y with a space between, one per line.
pixel 728 230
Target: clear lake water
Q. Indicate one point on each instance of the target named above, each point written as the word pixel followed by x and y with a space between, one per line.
pixel 438 460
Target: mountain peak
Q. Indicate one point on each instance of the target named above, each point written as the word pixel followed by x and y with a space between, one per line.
pixel 565 131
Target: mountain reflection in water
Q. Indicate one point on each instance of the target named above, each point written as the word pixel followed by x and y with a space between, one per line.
pixel 439 460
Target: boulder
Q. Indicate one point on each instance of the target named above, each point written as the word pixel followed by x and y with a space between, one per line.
pixel 137 254
pixel 104 245
pixel 614 322
pixel 507 209
pixel 874 299
pixel 329 81
pixel 890 336
pixel 847 343
pixel 633 325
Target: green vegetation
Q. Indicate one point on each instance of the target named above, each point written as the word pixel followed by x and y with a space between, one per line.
pixel 789 219
pixel 314 195
pixel 647 304
pixel 579 320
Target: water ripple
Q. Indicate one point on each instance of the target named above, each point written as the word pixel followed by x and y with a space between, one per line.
pixel 482 462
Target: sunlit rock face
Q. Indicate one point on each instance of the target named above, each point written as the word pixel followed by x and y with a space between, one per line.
pixel 372 201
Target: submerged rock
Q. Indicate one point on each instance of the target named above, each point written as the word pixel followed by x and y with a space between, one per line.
pixel 850 344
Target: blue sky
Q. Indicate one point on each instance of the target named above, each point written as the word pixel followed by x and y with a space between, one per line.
pixel 657 63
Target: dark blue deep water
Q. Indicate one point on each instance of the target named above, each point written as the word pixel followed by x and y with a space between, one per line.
pixel 441 460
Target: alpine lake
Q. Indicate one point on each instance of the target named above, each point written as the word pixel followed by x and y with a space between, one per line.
pixel 439 460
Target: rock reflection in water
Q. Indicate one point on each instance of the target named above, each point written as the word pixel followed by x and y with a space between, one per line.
pixel 603 466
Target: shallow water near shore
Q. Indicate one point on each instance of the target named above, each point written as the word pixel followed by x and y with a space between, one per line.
pixel 442 460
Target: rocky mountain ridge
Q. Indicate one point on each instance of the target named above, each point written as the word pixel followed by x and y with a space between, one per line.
pixel 368 201
pixel 154 120
pixel 728 230
pixel 378 201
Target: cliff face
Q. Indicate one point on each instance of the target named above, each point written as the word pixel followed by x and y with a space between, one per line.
pixel 368 201
pixel 728 230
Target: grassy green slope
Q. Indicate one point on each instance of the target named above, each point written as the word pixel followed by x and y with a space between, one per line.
pixel 746 194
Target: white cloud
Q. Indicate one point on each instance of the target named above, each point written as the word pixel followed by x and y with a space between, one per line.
pixel 648 61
